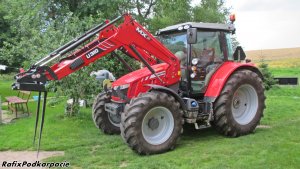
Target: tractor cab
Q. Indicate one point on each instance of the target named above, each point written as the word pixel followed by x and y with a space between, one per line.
pixel 201 48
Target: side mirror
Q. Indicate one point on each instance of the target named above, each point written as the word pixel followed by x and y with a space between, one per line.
pixel 191 35
pixel 239 54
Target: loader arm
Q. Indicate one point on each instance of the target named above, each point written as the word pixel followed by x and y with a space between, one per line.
pixel 129 37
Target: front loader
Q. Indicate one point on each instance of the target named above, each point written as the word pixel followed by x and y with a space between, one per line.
pixel 190 75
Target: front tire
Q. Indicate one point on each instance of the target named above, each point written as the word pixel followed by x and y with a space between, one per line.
pixel 152 123
pixel 109 124
pixel 240 106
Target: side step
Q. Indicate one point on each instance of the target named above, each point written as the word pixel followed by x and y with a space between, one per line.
pixel 203 126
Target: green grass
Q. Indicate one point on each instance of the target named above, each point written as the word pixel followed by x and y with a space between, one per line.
pixel 5 89
pixel 86 147
pixel 288 72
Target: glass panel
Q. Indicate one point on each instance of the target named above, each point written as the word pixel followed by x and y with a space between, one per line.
pixel 177 44
pixel 208 45
pixel 209 53
pixel 229 46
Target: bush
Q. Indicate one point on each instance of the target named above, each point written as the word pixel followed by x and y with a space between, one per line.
pixel 8 76
pixel 268 80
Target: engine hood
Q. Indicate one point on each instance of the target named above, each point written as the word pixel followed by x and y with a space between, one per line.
pixel 138 74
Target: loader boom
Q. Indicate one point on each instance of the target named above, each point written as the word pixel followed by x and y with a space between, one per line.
pixel 129 37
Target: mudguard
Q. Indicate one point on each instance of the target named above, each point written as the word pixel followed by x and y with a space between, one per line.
pixel 169 91
pixel 220 77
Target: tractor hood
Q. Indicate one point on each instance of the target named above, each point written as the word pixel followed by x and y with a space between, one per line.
pixel 139 74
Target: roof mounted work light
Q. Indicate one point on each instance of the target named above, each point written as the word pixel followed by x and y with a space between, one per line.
pixel 232 18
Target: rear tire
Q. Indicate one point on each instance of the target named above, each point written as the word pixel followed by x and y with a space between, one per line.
pixel 152 123
pixel 101 117
pixel 240 106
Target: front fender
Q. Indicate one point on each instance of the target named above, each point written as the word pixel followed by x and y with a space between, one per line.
pixel 169 91
pixel 220 77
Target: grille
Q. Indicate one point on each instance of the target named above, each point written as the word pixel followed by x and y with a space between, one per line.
pixel 121 93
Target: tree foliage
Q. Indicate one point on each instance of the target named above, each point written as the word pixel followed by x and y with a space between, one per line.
pixel 169 12
pixel 268 80
pixel 210 11
pixel 30 29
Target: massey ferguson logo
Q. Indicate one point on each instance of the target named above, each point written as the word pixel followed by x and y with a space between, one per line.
pixel 141 32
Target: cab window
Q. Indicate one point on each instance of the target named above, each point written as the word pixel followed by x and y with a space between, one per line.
pixel 229 46
pixel 209 52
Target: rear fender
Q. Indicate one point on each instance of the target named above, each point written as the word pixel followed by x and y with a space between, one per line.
pixel 220 77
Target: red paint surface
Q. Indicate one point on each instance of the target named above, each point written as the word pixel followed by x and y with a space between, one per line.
pixel 219 79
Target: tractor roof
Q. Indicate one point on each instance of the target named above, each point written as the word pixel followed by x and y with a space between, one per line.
pixel 200 25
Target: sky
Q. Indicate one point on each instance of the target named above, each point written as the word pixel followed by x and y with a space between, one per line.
pixel 266 24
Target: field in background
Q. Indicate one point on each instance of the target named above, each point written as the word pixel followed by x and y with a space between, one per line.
pixel 277 58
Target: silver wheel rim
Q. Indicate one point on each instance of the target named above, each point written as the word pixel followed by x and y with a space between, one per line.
pixel 114 119
pixel 244 104
pixel 157 125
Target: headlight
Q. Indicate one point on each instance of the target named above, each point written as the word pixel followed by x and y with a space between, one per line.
pixel 193 75
pixel 120 91
pixel 194 68
pixel 125 86
pixel 186 26
pixel 195 61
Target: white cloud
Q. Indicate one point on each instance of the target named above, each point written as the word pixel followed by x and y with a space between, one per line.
pixel 267 24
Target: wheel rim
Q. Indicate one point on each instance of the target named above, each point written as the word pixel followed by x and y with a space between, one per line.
pixel 114 119
pixel 157 125
pixel 244 104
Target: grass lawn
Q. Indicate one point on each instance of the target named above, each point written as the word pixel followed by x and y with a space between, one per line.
pixel 286 72
pixel 275 146
pixel 5 89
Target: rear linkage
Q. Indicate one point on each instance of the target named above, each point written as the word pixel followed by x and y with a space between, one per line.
pixel 35 78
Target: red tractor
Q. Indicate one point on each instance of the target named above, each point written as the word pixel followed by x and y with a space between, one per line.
pixel 190 75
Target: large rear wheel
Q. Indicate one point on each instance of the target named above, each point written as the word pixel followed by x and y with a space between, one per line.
pixel 240 106
pixel 105 121
pixel 152 123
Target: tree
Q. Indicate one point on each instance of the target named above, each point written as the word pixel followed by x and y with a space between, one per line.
pixel 210 11
pixel 268 78
pixel 170 12
pixel 17 30
pixel 4 34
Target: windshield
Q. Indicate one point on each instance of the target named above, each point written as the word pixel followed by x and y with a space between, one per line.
pixel 174 42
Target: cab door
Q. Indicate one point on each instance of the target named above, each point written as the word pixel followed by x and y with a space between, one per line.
pixel 207 54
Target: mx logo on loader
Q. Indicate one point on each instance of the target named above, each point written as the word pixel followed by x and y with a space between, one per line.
pixel 141 32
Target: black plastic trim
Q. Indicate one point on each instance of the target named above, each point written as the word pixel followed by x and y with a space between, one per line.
pixel 169 91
